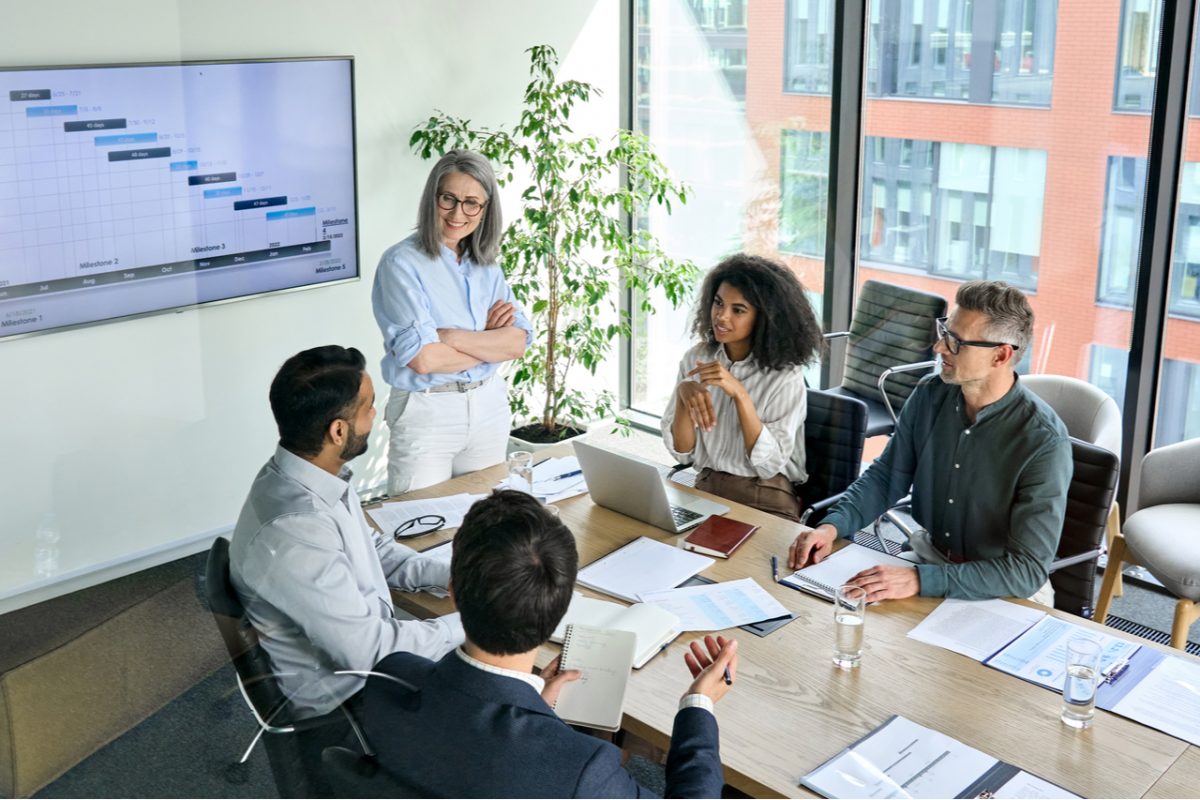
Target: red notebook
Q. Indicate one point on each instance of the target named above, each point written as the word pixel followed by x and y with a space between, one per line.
pixel 718 536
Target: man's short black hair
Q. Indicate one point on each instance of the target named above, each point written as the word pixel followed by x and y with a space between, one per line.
pixel 512 570
pixel 311 390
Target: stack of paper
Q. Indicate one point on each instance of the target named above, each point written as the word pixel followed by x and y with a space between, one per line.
pixel 391 516
pixel 555 479
pixel 640 567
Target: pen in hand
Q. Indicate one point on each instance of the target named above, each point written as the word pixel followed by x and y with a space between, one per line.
pixel 728 677
pixel 775 569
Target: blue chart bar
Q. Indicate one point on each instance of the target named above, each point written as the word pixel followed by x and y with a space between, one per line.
pixel 232 191
pixel 292 212
pixel 51 111
pixel 126 138
pixel 182 166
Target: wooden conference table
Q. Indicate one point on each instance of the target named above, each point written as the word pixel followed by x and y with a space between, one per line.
pixel 790 709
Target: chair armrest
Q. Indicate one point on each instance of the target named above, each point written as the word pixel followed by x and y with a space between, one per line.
pixel 887 373
pixel 1070 561
pixel 678 468
pixel 820 505
pixel 835 335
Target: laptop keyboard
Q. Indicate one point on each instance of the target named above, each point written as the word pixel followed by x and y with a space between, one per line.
pixel 683 516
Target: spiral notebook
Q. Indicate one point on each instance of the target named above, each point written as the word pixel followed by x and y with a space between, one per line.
pixel 834 570
pixel 605 657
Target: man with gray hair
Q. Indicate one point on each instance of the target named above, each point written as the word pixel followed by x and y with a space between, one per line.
pixel 987 462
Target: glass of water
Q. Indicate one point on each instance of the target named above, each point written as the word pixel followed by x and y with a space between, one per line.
pixel 849 613
pixel 1079 687
pixel 520 471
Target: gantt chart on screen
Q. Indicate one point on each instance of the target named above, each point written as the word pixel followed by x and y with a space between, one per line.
pixel 125 190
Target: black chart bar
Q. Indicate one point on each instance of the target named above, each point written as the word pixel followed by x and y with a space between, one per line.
pixel 259 202
pixel 216 177
pixel 93 125
pixel 137 155
pixel 18 95
pixel 159 270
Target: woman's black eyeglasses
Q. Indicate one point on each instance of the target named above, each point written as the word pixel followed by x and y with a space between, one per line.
pixel 471 207
pixel 953 343
pixel 418 526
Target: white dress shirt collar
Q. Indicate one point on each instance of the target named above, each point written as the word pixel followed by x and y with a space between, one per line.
pixel 330 488
pixel 528 677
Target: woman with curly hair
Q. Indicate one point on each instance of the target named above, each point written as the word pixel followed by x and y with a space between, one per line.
pixel 737 413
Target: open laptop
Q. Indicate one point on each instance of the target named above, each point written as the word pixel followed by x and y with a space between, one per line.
pixel 637 489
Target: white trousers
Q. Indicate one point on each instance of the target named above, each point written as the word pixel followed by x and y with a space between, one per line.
pixel 436 436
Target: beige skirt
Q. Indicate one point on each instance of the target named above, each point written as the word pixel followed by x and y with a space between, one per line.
pixel 775 495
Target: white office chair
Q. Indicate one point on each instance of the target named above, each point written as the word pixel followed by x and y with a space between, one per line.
pixel 1163 534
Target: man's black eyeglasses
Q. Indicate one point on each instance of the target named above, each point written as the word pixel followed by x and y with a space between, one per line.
pixel 953 343
pixel 418 526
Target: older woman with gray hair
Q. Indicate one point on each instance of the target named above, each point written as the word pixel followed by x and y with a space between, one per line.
pixel 449 321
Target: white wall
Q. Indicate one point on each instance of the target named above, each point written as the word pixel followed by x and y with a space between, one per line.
pixel 137 440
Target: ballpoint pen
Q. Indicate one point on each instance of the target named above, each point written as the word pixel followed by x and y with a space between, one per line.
pixel 775 569
pixel 728 677
pixel 571 474
pixel 1114 670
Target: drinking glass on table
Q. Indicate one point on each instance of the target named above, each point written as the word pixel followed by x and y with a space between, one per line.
pixel 849 613
pixel 520 471
pixel 1079 687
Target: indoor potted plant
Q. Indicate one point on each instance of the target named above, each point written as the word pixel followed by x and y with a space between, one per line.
pixel 571 248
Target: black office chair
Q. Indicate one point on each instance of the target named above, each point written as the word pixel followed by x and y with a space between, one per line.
pixel 353 774
pixel 891 348
pixel 1093 483
pixel 1073 571
pixel 835 428
pixel 258 685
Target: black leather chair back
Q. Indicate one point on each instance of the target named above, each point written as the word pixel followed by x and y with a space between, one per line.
pixel 1088 500
pixel 352 774
pixel 834 431
pixel 241 640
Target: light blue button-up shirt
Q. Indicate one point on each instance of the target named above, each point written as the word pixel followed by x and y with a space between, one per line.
pixel 414 295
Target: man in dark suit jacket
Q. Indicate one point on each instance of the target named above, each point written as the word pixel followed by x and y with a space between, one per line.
pixel 478 723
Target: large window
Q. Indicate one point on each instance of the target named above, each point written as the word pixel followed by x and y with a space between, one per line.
pixel 986 173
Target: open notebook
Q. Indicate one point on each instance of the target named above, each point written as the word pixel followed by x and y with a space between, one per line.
pixel 653 626
pixel 824 578
pixel 604 656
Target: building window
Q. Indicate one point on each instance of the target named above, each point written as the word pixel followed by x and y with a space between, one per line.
pixel 988 201
pixel 1120 241
pixel 804 192
pixel 809 65
pixel 1178 403
pixel 1137 59
pixel 1107 368
pixel 949 49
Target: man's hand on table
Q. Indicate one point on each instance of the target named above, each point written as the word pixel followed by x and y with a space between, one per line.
pixel 811 546
pixel 888 583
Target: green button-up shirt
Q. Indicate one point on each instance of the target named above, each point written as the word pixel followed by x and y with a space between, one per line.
pixel 991 494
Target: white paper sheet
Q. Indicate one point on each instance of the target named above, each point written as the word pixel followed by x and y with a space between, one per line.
pixel 642 566
pixel 1024 785
pixel 1167 699
pixel 975 628
pixel 555 479
pixel 454 507
pixel 716 606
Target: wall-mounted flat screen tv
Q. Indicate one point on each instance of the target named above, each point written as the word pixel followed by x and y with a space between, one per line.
pixel 134 189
